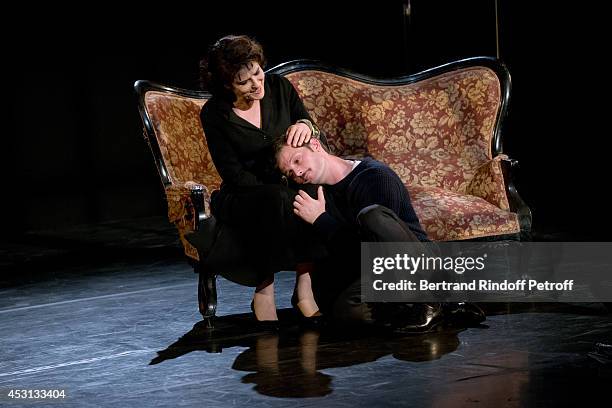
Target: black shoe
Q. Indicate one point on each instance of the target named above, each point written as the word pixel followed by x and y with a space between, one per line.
pixel 423 318
pixel 464 314
pixel 602 353
pixel 315 320
pixel 267 325
pixel 408 317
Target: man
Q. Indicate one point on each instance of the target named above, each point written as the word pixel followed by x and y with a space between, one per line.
pixel 363 201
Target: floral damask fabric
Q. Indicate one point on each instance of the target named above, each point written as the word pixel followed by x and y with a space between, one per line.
pixel 185 153
pixel 486 180
pixel 434 133
pixel 447 215
pixel 176 120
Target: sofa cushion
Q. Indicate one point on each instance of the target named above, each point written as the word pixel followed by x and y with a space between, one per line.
pixel 447 215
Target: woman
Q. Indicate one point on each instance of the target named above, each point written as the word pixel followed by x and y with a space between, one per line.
pixel 249 110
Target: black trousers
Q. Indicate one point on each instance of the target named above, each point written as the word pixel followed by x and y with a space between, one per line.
pixel 259 233
pixel 337 279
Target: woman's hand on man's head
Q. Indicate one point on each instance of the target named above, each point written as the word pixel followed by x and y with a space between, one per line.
pixel 298 134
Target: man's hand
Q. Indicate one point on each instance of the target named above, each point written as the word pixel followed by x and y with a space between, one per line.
pixel 307 208
pixel 298 134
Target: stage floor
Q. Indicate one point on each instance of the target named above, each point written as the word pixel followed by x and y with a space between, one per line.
pixel 118 330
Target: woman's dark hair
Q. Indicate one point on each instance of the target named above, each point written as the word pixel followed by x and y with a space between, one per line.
pixel 225 59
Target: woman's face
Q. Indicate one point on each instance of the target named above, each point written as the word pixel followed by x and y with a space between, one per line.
pixel 248 83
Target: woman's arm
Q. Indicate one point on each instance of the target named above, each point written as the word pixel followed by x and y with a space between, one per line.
pixel 303 127
pixel 296 105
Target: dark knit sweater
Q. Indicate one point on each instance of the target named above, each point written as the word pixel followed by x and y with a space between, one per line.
pixel 371 182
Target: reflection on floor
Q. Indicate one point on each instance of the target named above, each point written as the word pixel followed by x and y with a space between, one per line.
pixel 115 330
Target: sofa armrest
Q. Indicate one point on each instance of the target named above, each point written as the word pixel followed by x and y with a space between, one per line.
pixel 188 208
pixel 517 205
pixel 488 183
pixel 493 182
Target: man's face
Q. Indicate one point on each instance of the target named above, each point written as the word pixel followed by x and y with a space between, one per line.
pixel 302 164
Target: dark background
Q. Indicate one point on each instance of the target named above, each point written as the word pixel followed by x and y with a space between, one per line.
pixel 73 143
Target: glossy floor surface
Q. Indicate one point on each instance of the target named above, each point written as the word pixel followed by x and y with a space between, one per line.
pixel 117 325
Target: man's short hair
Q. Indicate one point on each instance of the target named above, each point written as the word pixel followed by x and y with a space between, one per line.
pixel 278 145
pixel 281 142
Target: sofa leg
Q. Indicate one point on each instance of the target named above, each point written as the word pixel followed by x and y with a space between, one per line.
pixel 207 295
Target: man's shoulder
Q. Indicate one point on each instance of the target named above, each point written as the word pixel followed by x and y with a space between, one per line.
pixel 370 167
pixel 378 182
pixel 374 175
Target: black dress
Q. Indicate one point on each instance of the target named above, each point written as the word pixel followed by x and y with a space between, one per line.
pixel 261 234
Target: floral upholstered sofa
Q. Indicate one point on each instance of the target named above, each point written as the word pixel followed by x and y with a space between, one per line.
pixel 440 130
